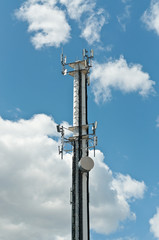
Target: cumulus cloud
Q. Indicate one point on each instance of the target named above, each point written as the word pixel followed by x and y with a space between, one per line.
pixel 76 8
pixel 34 201
pixel 110 195
pixel 151 16
pixel 154 224
pixel 90 19
pixel 46 21
pixel 127 187
pixel 35 183
pixel 93 26
pixel 119 75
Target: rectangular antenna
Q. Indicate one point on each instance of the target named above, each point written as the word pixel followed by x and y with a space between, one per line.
pixel 92 53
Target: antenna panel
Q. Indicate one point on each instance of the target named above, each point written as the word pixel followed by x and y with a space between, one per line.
pixel 84 52
pixel 65 72
pixel 65 60
pixel 95 125
pixel 92 53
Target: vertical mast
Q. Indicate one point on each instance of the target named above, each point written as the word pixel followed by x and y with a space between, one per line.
pixel 80 207
pixel 80 141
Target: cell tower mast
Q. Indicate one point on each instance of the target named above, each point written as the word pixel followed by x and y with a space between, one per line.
pixel 81 141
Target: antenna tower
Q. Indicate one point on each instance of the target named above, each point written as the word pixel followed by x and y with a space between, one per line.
pixel 83 138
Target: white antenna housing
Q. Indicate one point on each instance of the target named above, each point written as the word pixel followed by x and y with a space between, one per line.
pixel 65 60
pixel 84 53
pixel 92 53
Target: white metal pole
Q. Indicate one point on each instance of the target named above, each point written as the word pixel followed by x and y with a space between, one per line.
pixel 79 121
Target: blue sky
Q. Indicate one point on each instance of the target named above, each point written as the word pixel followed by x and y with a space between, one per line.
pixel 123 98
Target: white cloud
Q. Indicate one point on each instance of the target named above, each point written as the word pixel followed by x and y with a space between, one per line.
pixel 35 183
pixel 151 16
pixel 34 200
pixel 93 20
pixel 49 25
pixel 122 19
pixel 109 203
pixel 154 224
pixel 119 75
pixel 92 27
pixel 76 8
pixel 46 21
pixel 127 187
